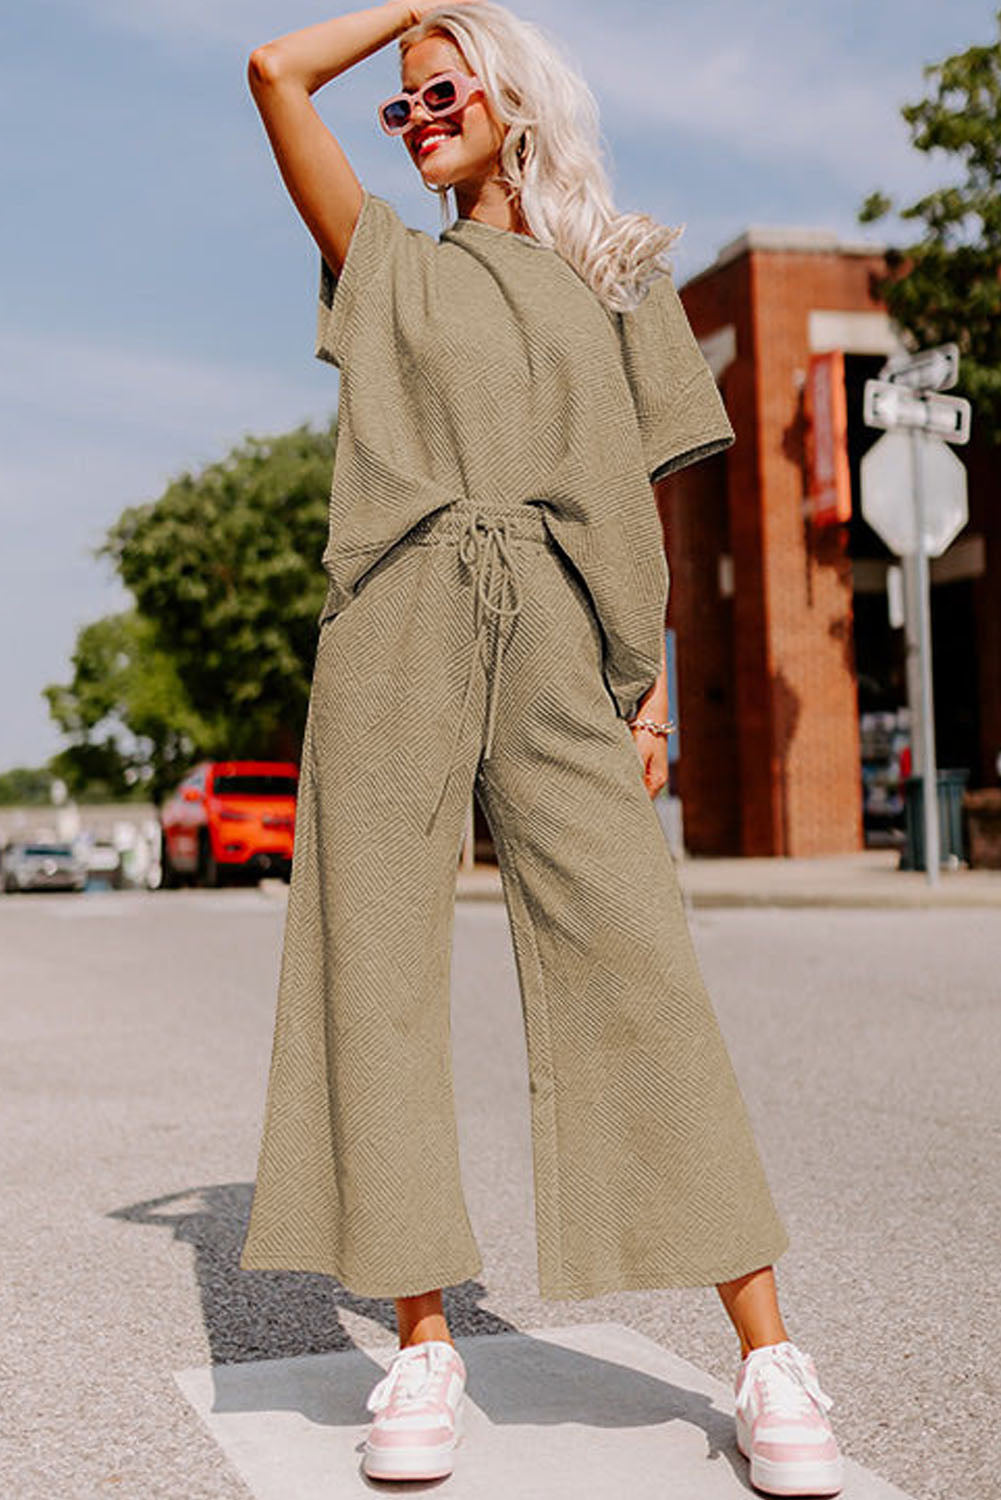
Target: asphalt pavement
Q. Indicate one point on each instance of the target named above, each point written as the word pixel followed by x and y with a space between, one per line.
pixel 136 1031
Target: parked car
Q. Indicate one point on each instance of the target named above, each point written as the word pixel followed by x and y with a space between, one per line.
pixel 43 867
pixel 231 819
pixel 103 860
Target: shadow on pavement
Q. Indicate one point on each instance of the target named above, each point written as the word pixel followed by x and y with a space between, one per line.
pixel 283 1315
pixel 276 1314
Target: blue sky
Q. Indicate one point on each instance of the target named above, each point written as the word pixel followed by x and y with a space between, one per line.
pixel 160 289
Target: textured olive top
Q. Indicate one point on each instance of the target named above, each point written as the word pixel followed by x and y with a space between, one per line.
pixel 480 366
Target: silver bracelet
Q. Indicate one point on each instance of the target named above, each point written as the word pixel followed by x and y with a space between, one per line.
pixel 668 726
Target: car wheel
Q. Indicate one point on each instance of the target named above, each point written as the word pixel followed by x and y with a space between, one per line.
pixel 170 880
pixel 209 873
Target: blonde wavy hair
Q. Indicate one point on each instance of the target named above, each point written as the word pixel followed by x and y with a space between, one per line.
pixel 551 157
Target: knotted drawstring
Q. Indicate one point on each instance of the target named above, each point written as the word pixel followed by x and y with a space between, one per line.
pixel 485 554
pixel 787 1358
pixel 411 1369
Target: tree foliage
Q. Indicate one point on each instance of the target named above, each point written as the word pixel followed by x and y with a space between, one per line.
pixel 946 286
pixel 216 659
pixel 27 786
pixel 130 725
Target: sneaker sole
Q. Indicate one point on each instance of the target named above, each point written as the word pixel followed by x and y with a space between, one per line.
pixel 791 1479
pixel 414 1463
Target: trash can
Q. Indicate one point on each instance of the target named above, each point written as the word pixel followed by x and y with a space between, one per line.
pixel 951 785
pixel 983 828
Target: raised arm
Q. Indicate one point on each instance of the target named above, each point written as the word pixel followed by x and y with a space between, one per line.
pixel 282 76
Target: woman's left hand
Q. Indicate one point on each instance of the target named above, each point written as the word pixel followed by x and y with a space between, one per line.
pixel 652 747
pixel 652 750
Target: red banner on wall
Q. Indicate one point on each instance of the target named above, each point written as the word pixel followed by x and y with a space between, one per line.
pixel 829 489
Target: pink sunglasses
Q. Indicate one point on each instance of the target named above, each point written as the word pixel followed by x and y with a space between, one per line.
pixel 442 95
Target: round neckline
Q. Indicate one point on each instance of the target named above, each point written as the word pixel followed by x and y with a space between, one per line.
pixel 515 234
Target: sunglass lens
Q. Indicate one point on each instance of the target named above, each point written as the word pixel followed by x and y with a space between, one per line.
pixel 397 114
pixel 440 95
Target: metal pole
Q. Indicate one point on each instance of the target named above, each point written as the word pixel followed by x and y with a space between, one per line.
pixel 912 657
pixel 929 770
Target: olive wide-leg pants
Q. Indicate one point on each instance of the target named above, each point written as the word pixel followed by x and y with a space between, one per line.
pixel 471 658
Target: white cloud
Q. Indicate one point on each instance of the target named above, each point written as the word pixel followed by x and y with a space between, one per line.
pixel 769 81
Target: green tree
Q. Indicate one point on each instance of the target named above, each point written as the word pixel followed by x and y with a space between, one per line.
pixel 131 728
pixel 25 786
pixel 225 569
pixel 945 287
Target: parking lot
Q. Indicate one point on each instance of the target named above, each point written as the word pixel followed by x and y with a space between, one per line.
pixel 136 1034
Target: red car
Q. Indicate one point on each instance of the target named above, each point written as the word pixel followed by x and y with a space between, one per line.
pixel 229 819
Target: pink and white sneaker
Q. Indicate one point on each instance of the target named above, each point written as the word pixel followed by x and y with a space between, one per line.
pixel 418 1405
pixel 782 1425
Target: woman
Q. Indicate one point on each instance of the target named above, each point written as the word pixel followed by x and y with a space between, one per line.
pixel 494 622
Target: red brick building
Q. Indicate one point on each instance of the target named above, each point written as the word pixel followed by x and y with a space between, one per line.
pixel 781 625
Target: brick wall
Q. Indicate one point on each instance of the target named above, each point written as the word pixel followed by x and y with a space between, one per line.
pixel 770 757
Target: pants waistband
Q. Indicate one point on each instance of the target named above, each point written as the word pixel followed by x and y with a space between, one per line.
pixel 524 522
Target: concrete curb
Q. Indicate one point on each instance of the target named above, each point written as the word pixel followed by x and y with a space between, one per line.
pixel 867 880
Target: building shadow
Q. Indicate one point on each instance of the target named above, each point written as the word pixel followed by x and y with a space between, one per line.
pixel 785 717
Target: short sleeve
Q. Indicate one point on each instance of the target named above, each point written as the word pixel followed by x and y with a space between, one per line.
pixel 678 405
pixel 382 281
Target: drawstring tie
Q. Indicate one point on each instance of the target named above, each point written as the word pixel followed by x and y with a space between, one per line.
pixel 484 548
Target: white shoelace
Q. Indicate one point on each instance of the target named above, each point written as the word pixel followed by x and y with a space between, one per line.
pixel 784 1379
pixel 411 1370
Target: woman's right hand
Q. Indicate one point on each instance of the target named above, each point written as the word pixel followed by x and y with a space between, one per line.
pixel 284 74
pixel 420 8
